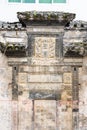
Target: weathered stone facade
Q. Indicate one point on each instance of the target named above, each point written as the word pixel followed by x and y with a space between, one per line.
pixel 43 76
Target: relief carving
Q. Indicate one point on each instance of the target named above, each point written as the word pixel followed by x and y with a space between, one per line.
pixel 75 49
pixel 45 47
pixel 22 77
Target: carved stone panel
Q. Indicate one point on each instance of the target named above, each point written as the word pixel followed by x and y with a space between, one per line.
pixel 22 77
pixel 67 78
pixel 45 47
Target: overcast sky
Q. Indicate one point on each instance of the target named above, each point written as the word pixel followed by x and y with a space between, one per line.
pixel 8 11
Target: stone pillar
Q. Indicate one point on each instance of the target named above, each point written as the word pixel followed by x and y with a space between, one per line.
pixel 75 99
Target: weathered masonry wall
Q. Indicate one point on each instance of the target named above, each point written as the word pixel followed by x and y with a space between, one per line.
pixel 43 72
pixel 5 94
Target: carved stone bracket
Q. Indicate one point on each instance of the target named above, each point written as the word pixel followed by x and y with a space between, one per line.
pixel 75 49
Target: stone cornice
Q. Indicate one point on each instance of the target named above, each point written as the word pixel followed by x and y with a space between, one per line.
pixel 49 17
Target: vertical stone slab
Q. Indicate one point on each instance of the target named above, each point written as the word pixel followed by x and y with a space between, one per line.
pixel 5 115
pixel 83 96
pixel 14 82
pixel 31 45
pixel 5 94
pixel 59 46
pixel 64 115
pixel 14 115
pixel 25 115
pixel 75 97
pixel 45 115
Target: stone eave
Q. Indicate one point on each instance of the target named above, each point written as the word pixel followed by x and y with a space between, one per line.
pixel 45 18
